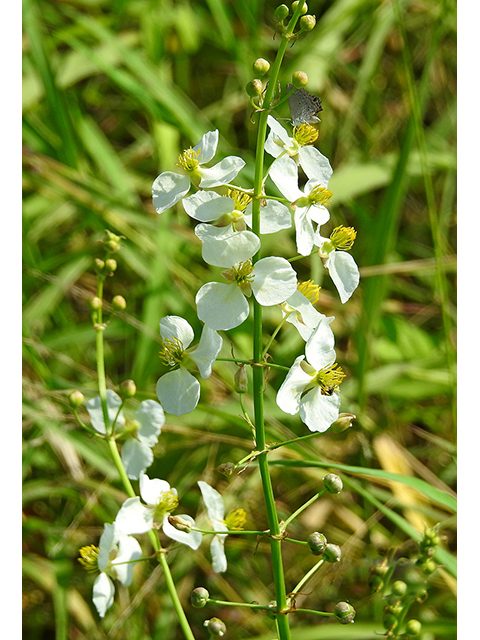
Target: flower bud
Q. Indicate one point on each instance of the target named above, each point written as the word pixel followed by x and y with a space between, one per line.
pixel 241 380
pixel 76 399
pixel 261 67
pixel 375 583
pixel 332 553
pixel 390 621
pixel 254 88
pixel 113 241
pixel 317 543
pixel 95 303
pixel 99 264
pixel 215 626
pixel 399 588
pixel 333 483
pixel 179 523
pixel 199 597
pixel 111 265
pixel 304 8
pixel 227 468
pixel 119 303
pixel 307 23
pixel 344 612
pixel 428 566
pixel 299 79
pixel 282 11
pixel 128 389
pixel 413 627
pixel 343 422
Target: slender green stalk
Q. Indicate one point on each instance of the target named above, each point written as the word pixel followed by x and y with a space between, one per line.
pixel 302 508
pixel 308 575
pixel 102 384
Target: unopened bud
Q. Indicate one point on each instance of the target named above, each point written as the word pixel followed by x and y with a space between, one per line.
pixel 76 399
pixel 254 88
pixel 343 422
pixel 95 303
pixel 390 621
pixel 428 566
pixel 317 543
pixel 332 553
pixel 227 468
pixel 241 380
pixel 112 243
pixel 215 626
pixel 399 588
pixel 282 11
pixel 333 483
pixel 307 23
pixel 304 8
pixel 299 79
pixel 375 583
pixel 99 264
pixel 199 597
pixel 111 265
pixel 128 389
pixel 119 303
pixel 344 612
pixel 261 67
pixel 179 523
pixel 413 627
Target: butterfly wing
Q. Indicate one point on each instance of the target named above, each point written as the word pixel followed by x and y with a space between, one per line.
pixel 304 106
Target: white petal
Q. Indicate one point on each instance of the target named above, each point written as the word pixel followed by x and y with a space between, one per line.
pixel 207 206
pixel 176 327
pixel 178 392
pixel 207 146
pixel 213 501
pixel 344 273
pixel 128 550
pixel 273 216
pixel 152 489
pixel 305 317
pixel 134 517
pixel 278 138
pixel 151 418
pixel 315 165
pixel 284 173
pixel 304 233
pixel 221 173
pixel 167 189
pixel 136 457
pixel 94 408
pixel 207 351
pixel 221 306
pixel 192 539
pixel 275 281
pixel 223 247
pixel 320 347
pixel 219 559
pixel 103 592
pixel 108 542
pixel 290 392
pixel 319 214
pixel 317 411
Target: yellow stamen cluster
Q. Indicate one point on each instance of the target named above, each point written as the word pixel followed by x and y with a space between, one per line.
pixel 241 199
pixel 241 274
pixel 343 238
pixel 310 291
pixel 236 520
pixel 167 503
pixel 329 378
pixel 320 195
pixel 305 134
pixel 172 353
pixel 89 558
pixel 189 159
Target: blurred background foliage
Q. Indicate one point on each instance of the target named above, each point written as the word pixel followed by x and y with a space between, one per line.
pixel 114 90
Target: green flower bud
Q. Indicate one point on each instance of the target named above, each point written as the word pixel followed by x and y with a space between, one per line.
pixel 304 8
pixel 241 380
pixel 332 553
pixel 375 583
pixel 254 88
pixel 119 303
pixel 413 627
pixel 112 243
pixel 76 399
pixel 343 422
pixel 199 597
pixel 215 626
pixel 227 468
pixel 261 67
pixel 307 23
pixel 299 79
pixel 399 588
pixel 99 264
pixel 428 566
pixel 333 483
pixel 111 265
pixel 95 303
pixel 317 543
pixel 128 389
pixel 390 621
pixel 282 11
pixel 344 612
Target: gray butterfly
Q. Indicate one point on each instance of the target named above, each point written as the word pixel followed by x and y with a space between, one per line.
pixel 303 106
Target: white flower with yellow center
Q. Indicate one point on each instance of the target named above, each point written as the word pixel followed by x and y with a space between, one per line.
pixel 310 204
pixel 178 390
pixel 299 310
pixel 341 266
pixel 170 187
pixel 300 148
pixel 311 385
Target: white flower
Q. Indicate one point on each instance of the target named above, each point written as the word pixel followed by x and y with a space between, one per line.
pixel 341 266
pixel 314 163
pixel 116 553
pixel 178 390
pixel 224 306
pixel 309 204
pixel 94 408
pixel 300 311
pixel 137 454
pixel 170 187
pixel 235 211
pixel 312 389
pixel 160 500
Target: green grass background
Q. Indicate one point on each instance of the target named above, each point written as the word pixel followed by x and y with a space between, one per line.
pixel 113 92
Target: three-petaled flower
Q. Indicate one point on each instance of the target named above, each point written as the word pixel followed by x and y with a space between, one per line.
pixel 341 266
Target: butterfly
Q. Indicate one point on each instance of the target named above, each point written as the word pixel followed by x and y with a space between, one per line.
pixel 303 106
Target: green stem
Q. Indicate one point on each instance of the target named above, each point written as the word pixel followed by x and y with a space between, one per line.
pixel 302 508
pixel 308 575
pixel 102 384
